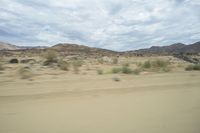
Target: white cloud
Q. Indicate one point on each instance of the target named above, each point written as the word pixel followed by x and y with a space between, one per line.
pixel 113 24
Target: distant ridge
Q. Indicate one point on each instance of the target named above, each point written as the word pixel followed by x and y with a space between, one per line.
pixel 171 49
pixel 8 46
pixel 75 49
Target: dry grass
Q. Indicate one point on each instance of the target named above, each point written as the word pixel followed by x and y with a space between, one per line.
pixel 99 71
pixel 63 65
pixel 51 57
pixel 25 72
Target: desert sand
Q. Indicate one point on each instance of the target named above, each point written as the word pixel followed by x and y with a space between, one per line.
pixel 91 103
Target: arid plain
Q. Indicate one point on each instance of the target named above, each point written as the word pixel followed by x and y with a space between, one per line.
pixel 97 97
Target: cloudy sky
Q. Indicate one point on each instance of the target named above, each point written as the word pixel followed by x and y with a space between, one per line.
pixel 112 24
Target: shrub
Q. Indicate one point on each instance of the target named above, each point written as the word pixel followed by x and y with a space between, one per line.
pixel 31 61
pixel 1 67
pixel 99 72
pixel 13 61
pixel 63 65
pixel 126 64
pixel 195 67
pixel 25 73
pixel 116 70
pixel 156 65
pixel 136 71
pixel 146 64
pixel 50 56
pixel 115 60
pixel 100 61
pixel 126 70
pixel 76 64
pixel 160 63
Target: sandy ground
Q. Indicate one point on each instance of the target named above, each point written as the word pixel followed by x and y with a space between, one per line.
pixel 69 103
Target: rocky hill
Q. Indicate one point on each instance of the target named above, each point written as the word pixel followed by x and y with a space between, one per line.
pixel 75 49
pixel 171 49
pixel 8 46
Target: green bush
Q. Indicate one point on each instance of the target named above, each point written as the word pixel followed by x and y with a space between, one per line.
pixel 146 64
pixel 159 63
pixel 116 70
pixel 195 67
pixel 156 65
pixel 126 70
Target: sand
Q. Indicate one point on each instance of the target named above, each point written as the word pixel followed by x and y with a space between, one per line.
pixel 69 103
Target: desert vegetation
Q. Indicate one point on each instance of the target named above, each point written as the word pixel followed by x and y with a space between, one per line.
pixel 194 67
pixel 1 66
pixel 99 71
pixel 51 56
pixel 156 65
pixel 25 72
pixel 64 65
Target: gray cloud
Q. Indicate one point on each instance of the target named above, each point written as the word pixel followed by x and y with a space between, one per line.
pixel 113 24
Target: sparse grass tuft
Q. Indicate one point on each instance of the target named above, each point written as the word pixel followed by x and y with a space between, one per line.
pixel 136 71
pixel 115 60
pixel 126 64
pixel 1 67
pixel 195 67
pixel 99 71
pixel 25 72
pixel 76 65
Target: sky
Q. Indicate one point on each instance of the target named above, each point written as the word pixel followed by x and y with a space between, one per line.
pixel 111 24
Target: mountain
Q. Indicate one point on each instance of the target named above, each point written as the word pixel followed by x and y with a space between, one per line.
pixel 171 49
pixel 8 46
pixel 75 49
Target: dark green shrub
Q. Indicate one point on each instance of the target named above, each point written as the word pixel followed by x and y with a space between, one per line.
pixel 1 67
pixel 195 67
pixel 13 61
